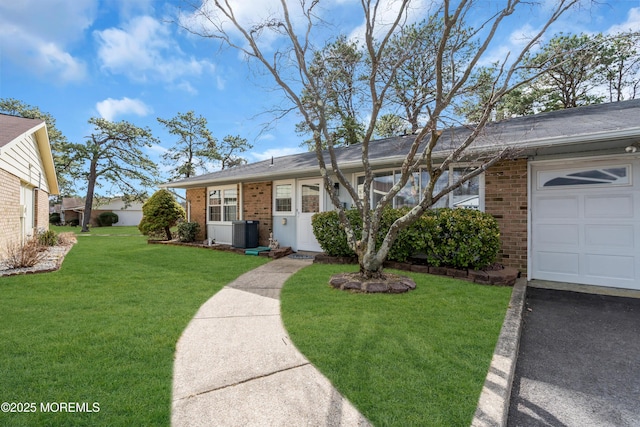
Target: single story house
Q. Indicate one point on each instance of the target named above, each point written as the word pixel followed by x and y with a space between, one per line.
pixel 27 179
pixel 568 204
pixel 72 208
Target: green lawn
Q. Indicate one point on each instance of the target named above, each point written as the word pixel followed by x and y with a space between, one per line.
pixel 416 359
pixel 104 327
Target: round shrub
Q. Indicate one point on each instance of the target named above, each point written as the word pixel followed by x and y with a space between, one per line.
pixel 333 240
pixel 187 231
pixel 460 238
pixel 330 233
pixel 107 219
pixel 407 242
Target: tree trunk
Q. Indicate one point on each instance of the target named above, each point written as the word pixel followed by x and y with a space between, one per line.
pixel 88 202
pixel 167 232
pixel 370 266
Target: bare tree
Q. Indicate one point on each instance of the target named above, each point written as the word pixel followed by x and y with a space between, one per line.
pixel 620 65
pixel 284 46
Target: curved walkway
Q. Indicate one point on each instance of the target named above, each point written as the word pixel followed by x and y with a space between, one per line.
pixel 235 364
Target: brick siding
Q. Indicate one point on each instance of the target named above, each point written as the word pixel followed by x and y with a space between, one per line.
pixel 258 207
pixel 197 197
pixel 42 210
pixel 9 210
pixel 506 200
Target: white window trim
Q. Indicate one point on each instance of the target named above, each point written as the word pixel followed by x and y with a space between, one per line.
pixel 481 182
pixel 221 189
pixel 291 182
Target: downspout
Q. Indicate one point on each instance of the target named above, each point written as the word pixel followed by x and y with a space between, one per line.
pixel 240 202
pixel 36 201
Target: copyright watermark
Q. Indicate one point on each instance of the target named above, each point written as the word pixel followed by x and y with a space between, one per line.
pixel 49 407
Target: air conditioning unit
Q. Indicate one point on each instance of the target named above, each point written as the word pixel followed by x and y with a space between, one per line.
pixel 245 234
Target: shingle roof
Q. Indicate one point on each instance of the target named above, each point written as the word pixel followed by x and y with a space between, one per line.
pixel 12 127
pixel 576 125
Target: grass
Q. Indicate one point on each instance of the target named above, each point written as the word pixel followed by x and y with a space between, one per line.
pixel 104 327
pixel 416 359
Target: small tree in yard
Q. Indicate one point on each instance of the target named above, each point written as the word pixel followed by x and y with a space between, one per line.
pixel 288 42
pixel 160 213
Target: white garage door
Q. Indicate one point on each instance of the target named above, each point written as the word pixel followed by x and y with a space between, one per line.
pixel 585 223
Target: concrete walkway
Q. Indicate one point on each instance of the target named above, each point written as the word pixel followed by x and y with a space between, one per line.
pixel 235 364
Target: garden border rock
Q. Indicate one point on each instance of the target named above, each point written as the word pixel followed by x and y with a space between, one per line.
pixel 505 276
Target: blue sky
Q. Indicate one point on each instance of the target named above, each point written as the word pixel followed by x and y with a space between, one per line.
pixel 124 60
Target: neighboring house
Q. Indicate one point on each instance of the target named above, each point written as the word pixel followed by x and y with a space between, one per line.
pixel 27 179
pixel 568 204
pixel 73 209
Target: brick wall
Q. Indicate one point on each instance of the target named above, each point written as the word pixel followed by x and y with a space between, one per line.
pixel 198 199
pixel 506 200
pixel 258 207
pixel 9 210
pixel 42 210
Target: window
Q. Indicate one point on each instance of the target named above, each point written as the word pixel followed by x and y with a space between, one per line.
pixel 616 175
pixel 223 204
pixel 441 184
pixel 283 198
pixel 467 196
pixel 409 196
pixel 310 198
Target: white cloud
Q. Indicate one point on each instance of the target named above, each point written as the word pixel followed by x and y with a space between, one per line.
pixel 110 108
pixel 631 24
pixel 275 152
pixel 37 35
pixel 144 50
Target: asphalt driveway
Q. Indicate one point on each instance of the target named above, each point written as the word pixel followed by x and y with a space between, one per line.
pixel 579 361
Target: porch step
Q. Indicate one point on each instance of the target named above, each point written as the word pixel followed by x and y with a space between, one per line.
pixel 256 251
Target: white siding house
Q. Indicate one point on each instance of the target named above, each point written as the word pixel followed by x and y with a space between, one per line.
pixel 27 178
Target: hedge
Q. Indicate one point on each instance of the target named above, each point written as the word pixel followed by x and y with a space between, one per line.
pixel 107 219
pixel 460 238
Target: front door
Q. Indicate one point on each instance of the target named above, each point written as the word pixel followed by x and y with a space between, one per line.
pixel 310 201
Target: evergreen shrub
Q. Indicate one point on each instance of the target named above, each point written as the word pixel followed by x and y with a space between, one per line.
pixel 48 238
pixel 459 238
pixel 107 219
pixel 187 231
pixel 54 218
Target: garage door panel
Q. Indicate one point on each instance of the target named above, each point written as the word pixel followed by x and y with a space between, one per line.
pixel 610 207
pixel 558 234
pixel 558 262
pixel 588 234
pixel 615 236
pixel 558 207
pixel 615 267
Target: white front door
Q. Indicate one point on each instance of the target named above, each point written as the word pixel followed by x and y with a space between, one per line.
pixel 26 212
pixel 586 222
pixel 310 201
